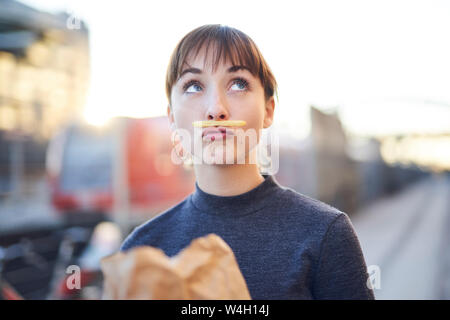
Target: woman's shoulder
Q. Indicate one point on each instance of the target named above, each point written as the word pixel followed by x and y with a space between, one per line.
pixel 306 208
pixel 320 222
pixel 152 229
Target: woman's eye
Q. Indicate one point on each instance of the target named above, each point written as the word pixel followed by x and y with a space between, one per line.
pixel 192 87
pixel 240 85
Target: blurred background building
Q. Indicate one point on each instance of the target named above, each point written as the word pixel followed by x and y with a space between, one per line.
pixel 44 77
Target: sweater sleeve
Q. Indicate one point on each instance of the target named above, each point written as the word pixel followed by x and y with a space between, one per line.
pixel 341 271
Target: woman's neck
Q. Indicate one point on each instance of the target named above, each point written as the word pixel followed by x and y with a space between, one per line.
pixel 227 180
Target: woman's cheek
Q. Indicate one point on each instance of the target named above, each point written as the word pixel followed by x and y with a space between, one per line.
pixel 253 116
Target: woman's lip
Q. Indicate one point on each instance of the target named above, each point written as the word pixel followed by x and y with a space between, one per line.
pixel 217 130
pixel 213 136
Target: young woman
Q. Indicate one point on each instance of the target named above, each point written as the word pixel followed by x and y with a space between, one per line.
pixel 288 245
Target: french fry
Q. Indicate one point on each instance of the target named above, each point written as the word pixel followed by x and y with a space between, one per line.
pixel 224 123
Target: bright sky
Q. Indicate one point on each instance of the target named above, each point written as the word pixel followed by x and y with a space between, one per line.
pixel 377 60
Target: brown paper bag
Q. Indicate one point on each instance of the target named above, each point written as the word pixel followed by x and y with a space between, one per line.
pixel 206 269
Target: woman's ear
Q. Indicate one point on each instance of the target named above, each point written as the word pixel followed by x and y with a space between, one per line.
pixel 268 114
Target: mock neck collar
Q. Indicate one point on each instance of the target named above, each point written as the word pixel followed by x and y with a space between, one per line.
pixel 237 205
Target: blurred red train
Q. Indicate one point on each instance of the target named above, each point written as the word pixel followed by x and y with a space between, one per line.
pixel 83 168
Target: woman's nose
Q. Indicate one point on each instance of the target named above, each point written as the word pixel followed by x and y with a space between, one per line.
pixel 219 116
pixel 217 109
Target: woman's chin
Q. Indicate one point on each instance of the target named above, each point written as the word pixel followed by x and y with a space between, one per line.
pixel 219 157
pixel 219 153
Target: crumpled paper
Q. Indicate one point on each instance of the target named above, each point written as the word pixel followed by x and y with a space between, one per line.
pixel 205 270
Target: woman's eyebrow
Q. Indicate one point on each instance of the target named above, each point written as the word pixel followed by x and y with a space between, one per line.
pixel 230 70
pixel 191 70
pixel 237 68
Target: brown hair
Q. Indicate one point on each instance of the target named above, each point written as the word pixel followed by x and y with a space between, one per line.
pixel 230 43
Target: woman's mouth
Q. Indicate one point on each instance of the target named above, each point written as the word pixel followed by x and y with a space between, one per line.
pixel 216 133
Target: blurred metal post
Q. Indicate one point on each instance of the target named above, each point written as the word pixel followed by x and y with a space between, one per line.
pixel 121 206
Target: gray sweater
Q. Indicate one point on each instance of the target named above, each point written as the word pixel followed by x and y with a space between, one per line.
pixel 287 245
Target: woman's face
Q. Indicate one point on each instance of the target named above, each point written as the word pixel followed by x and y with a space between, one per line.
pixel 228 93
